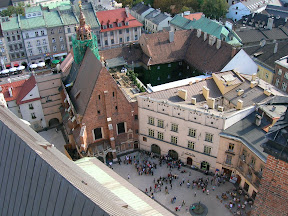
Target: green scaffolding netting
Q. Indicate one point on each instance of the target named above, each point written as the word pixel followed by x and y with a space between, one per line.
pixel 80 47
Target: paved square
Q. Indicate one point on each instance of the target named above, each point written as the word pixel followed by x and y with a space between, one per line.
pixel 215 207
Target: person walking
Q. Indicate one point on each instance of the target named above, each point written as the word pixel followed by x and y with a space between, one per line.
pixel 128 176
pixel 195 194
pixel 183 202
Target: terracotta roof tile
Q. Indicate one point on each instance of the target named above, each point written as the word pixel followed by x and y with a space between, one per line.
pixel 16 89
pixel 193 16
pixel 115 16
pixel 27 87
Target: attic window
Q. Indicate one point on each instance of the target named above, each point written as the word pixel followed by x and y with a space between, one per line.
pixel 104 26
pixel 110 25
pixel 119 24
pixel 77 94
pixel 126 23
pixel 258 54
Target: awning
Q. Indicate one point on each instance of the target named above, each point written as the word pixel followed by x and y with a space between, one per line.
pixel 115 62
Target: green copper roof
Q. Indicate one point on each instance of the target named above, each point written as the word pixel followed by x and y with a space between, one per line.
pixel 69 18
pixel 52 18
pixel 55 4
pixel 32 23
pixel 212 27
pixel 89 14
pixel 10 25
pixel 32 9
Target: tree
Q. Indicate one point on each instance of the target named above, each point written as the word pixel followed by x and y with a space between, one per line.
pixel 214 8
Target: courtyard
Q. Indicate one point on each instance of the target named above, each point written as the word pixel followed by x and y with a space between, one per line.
pixel 213 201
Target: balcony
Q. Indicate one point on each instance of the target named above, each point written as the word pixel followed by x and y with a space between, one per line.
pixel 228 151
pixel 258 174
pixel 242 157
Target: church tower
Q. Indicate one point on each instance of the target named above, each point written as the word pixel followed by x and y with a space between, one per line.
pixel 84 38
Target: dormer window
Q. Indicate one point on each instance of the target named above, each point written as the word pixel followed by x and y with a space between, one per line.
pixel 126 23
pixel 110 25
pixel 104 26
pixel 119 24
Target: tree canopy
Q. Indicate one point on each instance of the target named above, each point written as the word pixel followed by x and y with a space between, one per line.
pixel 13 10
pixel 214 8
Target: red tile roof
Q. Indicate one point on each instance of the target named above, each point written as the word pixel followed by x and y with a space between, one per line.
pixel 193 16
pixel 115 16
pixel 16 89
pixel 27 87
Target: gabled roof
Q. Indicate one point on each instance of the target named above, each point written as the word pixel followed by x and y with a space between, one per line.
pixel 274 10
pixel 159 18
pixel 254 5
pixel 257 19
pixel 16 89
pixel 116 16
pixel 85 81
pixel 140 8
pixel 27 87
pixel 266 53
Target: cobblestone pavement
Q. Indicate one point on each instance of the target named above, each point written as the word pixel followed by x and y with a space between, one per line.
pixel 54 137
pixel 215 207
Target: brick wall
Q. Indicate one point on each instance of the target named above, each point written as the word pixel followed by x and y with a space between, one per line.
pixel 272 198
pixel 108 101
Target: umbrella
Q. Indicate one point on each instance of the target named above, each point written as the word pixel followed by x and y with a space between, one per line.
pixel 33 66
pixel 13 69
pixel 55 61
pixel 21 67
pixel 5 71
pixel 7 66
pixel 41 64
pixel 16 65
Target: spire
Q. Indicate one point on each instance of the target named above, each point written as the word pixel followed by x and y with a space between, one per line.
pixel 83 31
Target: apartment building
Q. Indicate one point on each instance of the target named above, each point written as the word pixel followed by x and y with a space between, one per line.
pixel 140 10
pixel 118 27
pixel 4 57
pixel 185 121
pixel 280 79
pixel 12 34
pixel 156 21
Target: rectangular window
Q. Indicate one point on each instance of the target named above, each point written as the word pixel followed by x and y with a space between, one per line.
pixel 105 34
pixel 136 37
pixel 207 150
pixel 31 106
pixel 53 40
pixel 42 33
pixel 20 46
pixel 36 33
pixel 18 37
pixel 52 31
pixel 68 30
pixel 45 49
pixel 44 41
pixel 120 31
pixel 97 133
pixel 174 140
pixel 135 29
pixel 128 39
pixel 209 137
pixel 62 47
pixel 38 42
pixel 40 50
pixel 61 39
pixel 121 128
pixel 192 132
pixel 106 42
pixel 54 48
pixel 60 30
pixel 127 30
pixel 151 132
pixel 151 120
pixel 13 38
pixel 111 33
pixel 136 117
pixel 228 159
pixel 112 41
pixel 231 147
pixel 174 127
pixel 28 44
pixel 160 123
pixel 120 40
pixel 27 35
pixel 191 145
pixel 33 116
pixel 8 39
pixel 160 135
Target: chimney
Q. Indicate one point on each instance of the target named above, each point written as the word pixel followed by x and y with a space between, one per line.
pixel 211 103
pixel 253 77
pixel 10 92
pixel 267 92
pixel 171 36
pixel 275 48
pixel 193 101
pixel 182 94
pixel 212 40
pixel 199 32
pixel 258 120
pixel 127 11
pixel 218 44
pixel 205 92
pixel 270 23
pixel 253 84
pixel 240 92
pixel 220 108
pixel 239 104
pixel 205 36
pixel 234 51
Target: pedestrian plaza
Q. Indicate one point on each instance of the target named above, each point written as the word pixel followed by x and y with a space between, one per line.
pixel 185 194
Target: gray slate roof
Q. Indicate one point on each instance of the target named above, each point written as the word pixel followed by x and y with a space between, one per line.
pixel 5 3
pixel 85 81
pixel 252 135
pixel 159 18
pixel 36 179
pixel 140 8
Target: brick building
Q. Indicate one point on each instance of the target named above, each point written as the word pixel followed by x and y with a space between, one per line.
pixel 272 197
pixel 98 117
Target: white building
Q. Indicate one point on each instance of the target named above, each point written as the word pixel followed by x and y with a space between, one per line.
pixel 243 8
pixel 185 121
pixel 140 10
pixel 156 21
pixel 23 99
